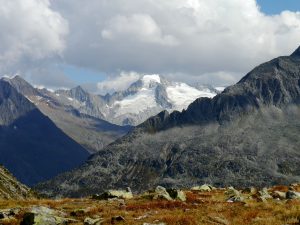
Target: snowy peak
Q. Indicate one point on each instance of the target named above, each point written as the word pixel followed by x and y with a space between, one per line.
pixel 150 95
pixel 181 95
pixel 149 80
pixel 144 98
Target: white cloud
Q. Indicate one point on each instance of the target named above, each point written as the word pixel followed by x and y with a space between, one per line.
pixel 30 31
pixel 137 27
pixel 192 37
pixel 119 83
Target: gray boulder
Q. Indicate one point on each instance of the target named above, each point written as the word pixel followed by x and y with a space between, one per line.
pixel 90 221
pixel 234 195
pixel 40 215
pixel 177 194
pixel 122 194
pixel 264 194
pixel 204 187
pixel 159 193
pixel 292 195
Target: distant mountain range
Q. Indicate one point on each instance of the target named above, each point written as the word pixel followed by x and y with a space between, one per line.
pixel 144 98
pixel 44 133
pixel 247 135
pixel 91 132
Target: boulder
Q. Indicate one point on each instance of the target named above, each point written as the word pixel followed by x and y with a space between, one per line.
pixel 117 219
pixel 279 195
pixel 154 224
pixel 250 191
pixel 292 195
pixel 234 195
pixel 159 193
pixel 6 213
pixel 122 194
pixel 177 194
pixel 90 221
pixel 264 194
pixel 204 187
pixel 40 215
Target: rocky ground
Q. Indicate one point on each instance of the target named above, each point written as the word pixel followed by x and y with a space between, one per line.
pixel 199 205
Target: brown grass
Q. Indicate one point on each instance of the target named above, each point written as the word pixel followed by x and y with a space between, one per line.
pixel 200 208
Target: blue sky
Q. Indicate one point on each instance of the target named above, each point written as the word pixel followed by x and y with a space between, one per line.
pixel 277 6
pixel 81 75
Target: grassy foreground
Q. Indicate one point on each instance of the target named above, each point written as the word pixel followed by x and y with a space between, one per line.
pixel 199 208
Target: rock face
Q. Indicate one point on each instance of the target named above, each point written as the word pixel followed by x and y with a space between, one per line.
pixel 91 132
pixel 11 188
pixel 248 135
pixel 31 146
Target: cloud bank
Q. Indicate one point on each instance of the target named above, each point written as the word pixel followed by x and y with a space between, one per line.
pixel 212 41
pixel 30 32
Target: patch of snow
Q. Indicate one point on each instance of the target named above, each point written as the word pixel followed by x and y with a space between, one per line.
pixel 220 88
pixel 57 95
pixel 29 99
pixel 6 76
pixel 137 103
pixel 70 99
pixel 147 79
pixel 50 90
pixel 181 95
pixel 41 87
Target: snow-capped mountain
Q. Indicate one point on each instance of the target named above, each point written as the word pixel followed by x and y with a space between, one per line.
pixel 144 98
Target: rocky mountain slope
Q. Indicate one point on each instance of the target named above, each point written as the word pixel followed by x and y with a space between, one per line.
pixel 91 132
pixel 11 188
pixel 144 98
pixel 247 135
pixel 31 146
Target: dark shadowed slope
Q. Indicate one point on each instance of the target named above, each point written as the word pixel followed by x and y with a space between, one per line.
pixel 91 132
pixel 247 135
pixel 31 146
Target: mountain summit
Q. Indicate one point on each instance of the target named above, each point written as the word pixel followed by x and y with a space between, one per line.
pixel 247 135
pixel 144 98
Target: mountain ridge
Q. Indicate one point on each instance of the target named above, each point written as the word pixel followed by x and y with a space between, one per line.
pixel 144 98
pixel 208 109
pixel 31 145
pixel 246 135
pixel 92 133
